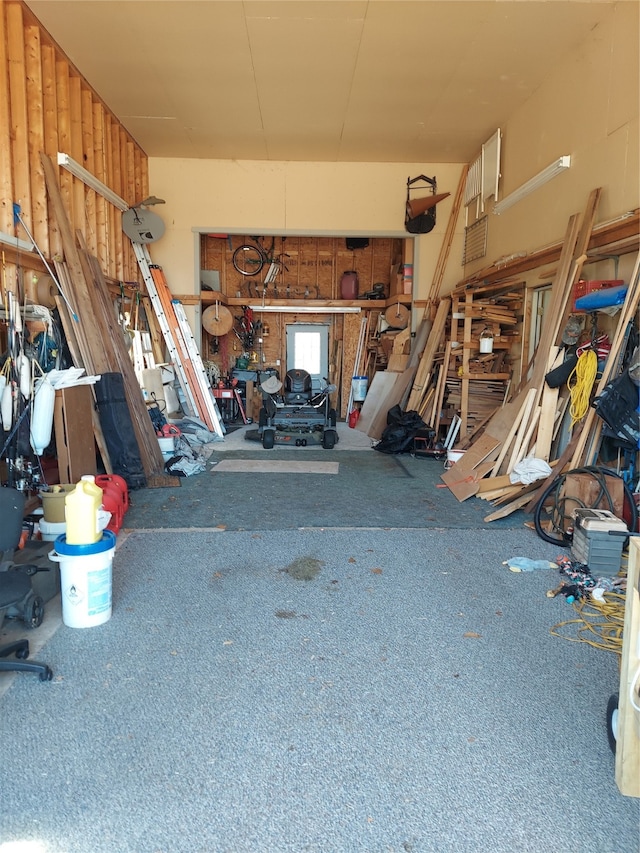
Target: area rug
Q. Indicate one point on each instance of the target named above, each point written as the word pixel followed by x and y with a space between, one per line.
pixel 270 466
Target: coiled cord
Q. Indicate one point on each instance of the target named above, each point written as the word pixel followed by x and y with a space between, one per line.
pixel 580 384
pixel 558 516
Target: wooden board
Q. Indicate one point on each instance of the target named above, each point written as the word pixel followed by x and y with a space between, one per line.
pixel 73 421
pixel 628 735
pixel 387 390
pixel 460 478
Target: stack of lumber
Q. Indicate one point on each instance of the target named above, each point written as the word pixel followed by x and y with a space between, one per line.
pixel 95 338
pixel 527 424
pixel 483 399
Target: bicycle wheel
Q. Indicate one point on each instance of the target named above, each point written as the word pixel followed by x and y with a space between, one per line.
pixel 248 260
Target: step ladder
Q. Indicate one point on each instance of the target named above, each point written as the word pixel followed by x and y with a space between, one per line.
pixel 180 344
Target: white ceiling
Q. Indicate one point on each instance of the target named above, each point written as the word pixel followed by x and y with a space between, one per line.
pixel 317 80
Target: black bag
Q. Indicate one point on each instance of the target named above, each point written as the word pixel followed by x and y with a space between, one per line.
pixel 559 375
pixel 618 407
pixel 398 435
pixel 117 426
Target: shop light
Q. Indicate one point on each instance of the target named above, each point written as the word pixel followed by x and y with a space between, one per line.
pixel 306 309
pixel 558 166
pixel 90 180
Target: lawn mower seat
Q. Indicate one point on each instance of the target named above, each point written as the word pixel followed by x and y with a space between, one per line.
pixel 297 387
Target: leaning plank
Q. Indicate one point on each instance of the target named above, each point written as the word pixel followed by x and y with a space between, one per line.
pixel 423 373
pixel 523 449
pixel 506 442
pixel 445 249
pixel 548 410
pixel 462 478
pixel 507 509
pixel 150 453
pixel 387 390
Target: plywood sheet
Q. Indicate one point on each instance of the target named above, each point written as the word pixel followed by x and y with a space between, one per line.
pixel 386 391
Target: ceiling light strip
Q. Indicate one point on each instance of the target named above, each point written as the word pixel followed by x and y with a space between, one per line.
pixel 558 166
pixel 90 180
pixel 305 309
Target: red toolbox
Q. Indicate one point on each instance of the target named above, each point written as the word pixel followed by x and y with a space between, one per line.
pixel 582 287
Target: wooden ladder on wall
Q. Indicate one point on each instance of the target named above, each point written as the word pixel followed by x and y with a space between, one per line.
pixel 180 343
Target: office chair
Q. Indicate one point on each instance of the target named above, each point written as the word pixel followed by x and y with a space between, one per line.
pixel 17 598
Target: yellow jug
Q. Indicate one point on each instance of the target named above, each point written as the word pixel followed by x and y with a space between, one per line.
pixel 81 508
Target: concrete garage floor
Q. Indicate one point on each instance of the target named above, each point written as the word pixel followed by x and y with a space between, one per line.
pixel 371 489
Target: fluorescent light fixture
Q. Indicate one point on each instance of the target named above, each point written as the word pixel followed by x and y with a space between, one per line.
pixel 90 180
pixel 305 309
pixel 16 242
pixel 532 185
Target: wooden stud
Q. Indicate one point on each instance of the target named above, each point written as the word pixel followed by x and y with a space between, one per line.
pixel 102 233
pixel 18 113
pixel 35 119
pixel 6 177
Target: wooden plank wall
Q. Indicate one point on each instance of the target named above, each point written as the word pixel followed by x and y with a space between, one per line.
pixel 314 269
pixel 47 106
pixel 314 265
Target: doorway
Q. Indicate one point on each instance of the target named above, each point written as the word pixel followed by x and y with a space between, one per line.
pixel 308 349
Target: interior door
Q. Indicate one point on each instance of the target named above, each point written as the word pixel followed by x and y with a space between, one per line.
pixel 308 349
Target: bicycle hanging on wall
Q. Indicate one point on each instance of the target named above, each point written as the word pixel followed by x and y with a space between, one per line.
pixel 249 259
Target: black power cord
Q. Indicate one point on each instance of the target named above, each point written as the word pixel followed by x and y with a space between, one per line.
pixel 558 515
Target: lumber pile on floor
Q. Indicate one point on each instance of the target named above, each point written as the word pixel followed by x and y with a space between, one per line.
pixel 527 424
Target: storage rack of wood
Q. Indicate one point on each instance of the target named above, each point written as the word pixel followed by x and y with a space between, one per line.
pixel 482 379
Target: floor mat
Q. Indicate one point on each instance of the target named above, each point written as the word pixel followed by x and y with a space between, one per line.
pixel 264 466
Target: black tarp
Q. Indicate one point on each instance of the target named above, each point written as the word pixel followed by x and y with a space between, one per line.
pixel 117 427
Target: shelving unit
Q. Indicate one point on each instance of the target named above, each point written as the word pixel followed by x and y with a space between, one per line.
pixel 478 382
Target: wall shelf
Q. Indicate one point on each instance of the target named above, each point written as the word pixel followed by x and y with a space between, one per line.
pixel 210 297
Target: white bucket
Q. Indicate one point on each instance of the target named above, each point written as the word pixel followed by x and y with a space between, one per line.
pixel 486 343
pixel 50 530
pixel 167 447
pixel 453 456
pixel 359 386
pixel 86 580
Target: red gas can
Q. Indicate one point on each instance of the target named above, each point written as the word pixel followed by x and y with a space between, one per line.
pixel 115 498
pixel 349 285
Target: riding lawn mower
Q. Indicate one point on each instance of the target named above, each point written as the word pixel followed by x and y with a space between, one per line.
pixel 292 414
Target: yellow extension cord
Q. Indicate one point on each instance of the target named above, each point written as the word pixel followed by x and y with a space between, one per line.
pixel 600 624
pixel 584 375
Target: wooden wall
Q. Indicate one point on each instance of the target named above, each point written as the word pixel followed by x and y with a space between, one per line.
pixel 47 106
pixel 314 265
pixel 314 268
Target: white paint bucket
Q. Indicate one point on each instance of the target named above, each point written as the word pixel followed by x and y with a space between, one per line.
pixel 167 447
pixel 486 342
pixel 453 456
pixel 359 386
pixel 50 530
pixel 86 580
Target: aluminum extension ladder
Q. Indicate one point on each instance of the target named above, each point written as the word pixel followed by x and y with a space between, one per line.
pixel 180 343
